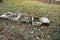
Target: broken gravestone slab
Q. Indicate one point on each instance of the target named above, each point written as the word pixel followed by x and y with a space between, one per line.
pixel 40 21
pixel 6 15
pixel 36 21
pixel 11 16
pixel 45 21
pixel 26 20
pixel 15 17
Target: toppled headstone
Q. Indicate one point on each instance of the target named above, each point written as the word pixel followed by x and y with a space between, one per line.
pixel 6 15
pixel 40 21
pixel 11 16
pixel 45 21
pixel 36 21
pixel 15 17
pixel 26 19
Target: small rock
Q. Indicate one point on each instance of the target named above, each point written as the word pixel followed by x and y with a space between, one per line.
pixel 37 37
pixel 32 32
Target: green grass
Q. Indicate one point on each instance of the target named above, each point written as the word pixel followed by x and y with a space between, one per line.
pixel 33 9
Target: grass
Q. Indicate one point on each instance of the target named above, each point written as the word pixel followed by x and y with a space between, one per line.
pixel 33 9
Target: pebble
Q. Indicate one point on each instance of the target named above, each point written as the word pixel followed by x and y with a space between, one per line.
pixel 32 32
pixel 37 37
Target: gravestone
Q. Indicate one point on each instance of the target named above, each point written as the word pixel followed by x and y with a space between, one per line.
pixel 15 17
pixel 26 19
pixel 36 21
pixel 6 15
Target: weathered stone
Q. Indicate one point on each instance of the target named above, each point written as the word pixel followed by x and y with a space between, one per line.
pixel 6 15
pixel 15 17
pixel 36 21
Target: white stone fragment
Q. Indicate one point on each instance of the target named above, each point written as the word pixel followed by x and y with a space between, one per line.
pixel 37 37
pixel 26 19
pixel 36 23
pixel 15 17
pixel 44 20
pixel 6 15
pixel 32 32
pixel 39 29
